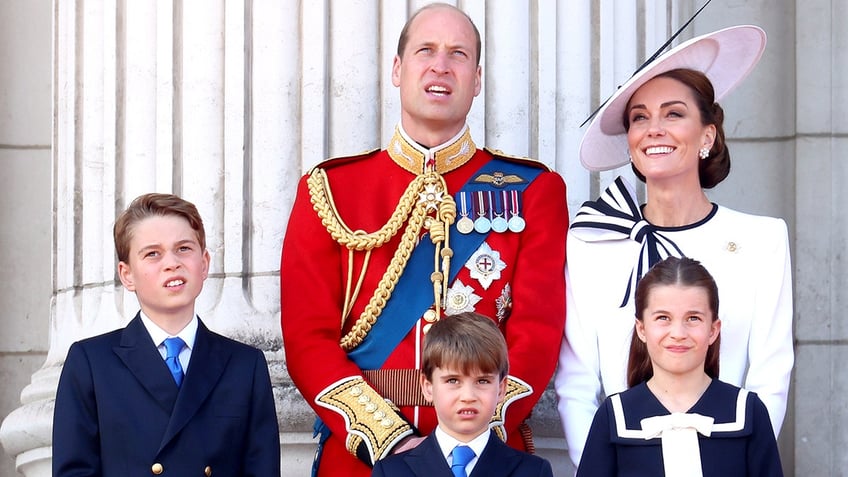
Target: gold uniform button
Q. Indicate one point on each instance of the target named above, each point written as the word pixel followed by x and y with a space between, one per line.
pixel 207 471
pixel 430 316
pixel 157 469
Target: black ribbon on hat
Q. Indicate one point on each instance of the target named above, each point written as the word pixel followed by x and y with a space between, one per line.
pixel 649 60
pixel 616 216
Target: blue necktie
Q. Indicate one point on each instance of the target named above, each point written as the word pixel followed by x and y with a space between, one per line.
pixel 173 346
pixel 462 455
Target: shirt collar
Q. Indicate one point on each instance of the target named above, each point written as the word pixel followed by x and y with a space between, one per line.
pixel 447 443
pixel 158 335
pixel 443 158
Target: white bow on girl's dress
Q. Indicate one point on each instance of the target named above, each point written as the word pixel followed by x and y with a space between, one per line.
pixel 679 432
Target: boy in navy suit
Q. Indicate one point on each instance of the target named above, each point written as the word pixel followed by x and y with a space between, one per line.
pixel 164 395
pixel 463 373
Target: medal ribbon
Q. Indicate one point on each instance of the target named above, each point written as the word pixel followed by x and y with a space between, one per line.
pixel 514 210
pixel 463 206
pixel 407 303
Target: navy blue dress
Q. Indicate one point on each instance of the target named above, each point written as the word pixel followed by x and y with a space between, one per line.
pixel 741 444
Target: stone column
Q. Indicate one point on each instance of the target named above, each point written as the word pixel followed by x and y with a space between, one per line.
pixel 227 103
pixel 158 96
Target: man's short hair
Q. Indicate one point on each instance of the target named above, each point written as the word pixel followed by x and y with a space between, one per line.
pixel 404 34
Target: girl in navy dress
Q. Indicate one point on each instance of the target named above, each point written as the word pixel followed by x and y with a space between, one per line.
pixel 677 418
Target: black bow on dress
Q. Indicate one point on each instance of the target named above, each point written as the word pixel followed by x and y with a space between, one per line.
pixel 617 216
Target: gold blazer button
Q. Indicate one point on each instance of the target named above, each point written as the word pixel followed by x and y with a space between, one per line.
pixel 157 469
pixel 207 471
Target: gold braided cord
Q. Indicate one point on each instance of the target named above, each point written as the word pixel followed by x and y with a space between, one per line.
pixel 387 283
pixel 447 212
pixel 437 235
pixel 350 298
pixel 409 210
pixel 322 202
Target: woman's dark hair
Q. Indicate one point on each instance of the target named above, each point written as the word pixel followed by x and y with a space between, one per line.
pixel 671 271
pixel 716 167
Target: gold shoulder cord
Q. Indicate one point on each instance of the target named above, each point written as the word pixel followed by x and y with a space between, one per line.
pixel 427 191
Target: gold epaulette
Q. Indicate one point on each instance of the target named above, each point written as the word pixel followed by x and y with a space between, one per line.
pixel 519 159
pixel 370 420
pixel 515 390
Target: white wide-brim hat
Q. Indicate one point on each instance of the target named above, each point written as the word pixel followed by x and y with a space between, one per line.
pixel 726 56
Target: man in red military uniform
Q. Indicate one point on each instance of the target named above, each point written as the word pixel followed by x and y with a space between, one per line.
pixel 383 244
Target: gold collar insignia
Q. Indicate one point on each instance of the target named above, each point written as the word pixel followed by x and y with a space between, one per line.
pixel 413 157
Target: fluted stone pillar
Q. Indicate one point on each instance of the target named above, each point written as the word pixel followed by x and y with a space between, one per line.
pixel 228 102
pixel 156 96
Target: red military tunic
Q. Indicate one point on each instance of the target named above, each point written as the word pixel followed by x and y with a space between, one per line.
pixel 524 292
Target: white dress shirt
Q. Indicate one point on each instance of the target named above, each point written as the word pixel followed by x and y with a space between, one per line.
pixel 158 335
pixel 447 443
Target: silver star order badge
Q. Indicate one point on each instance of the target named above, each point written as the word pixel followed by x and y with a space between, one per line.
pixel 503 303
pixel 431 196
pixel 461 298
pixel 485 265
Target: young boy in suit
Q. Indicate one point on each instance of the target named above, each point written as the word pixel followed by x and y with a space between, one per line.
pixel 164 395
pixel 463 373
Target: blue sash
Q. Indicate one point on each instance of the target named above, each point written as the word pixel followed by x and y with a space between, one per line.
pixel 413 294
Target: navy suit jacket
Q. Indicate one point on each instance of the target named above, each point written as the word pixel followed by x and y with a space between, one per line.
pixel 119 413
pixel 497 460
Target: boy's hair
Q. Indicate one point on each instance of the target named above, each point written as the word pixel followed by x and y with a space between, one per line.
pixel 149 205
pixel 671 271
pixel 467 342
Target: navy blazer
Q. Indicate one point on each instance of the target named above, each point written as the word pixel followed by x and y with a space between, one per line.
pixel 119 413
pixel 497 460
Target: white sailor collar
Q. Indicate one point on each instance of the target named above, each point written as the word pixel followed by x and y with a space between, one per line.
pixel 726 404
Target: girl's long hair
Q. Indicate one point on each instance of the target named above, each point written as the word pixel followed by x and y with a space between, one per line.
pixel 671 271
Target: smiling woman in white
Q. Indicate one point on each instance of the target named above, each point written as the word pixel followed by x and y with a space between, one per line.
pixel 666 118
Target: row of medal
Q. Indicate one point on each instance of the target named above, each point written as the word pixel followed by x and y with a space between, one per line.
pixel 485 211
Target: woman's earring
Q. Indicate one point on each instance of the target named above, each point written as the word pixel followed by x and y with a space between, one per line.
pixel 704 152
